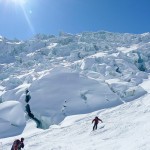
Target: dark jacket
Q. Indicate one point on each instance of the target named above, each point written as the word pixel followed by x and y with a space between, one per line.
pixel 21 145
pixel 17 145
pixel 96 120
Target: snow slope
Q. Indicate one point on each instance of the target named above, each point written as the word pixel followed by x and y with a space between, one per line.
pixel 73 74
pixel 125 127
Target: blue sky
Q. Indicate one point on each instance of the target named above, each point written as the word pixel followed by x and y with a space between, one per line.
pixel 22 20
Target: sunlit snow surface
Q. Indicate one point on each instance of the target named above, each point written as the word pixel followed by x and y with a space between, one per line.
pixel 124 126
pixel 73 75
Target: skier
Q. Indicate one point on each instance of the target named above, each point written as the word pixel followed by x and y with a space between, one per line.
pixel 18 144
pixel 96 121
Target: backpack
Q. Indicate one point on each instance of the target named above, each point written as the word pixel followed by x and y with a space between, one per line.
pixel 16 144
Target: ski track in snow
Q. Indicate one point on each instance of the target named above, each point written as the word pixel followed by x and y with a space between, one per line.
pixel 125 127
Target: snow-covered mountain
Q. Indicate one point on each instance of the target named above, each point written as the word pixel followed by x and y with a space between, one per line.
pixel 70 75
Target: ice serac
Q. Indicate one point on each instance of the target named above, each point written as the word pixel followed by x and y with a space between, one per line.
pixel 12 119
pixel 106 70
pixel 63 92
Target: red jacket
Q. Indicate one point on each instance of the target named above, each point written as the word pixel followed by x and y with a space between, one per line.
pixel 96 120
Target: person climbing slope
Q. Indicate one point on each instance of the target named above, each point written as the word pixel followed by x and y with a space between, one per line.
pixel 21 144
pixel 96 121
pixel 18 144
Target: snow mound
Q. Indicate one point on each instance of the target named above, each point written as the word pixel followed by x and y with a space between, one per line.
pixel 12 119
pixel 63 92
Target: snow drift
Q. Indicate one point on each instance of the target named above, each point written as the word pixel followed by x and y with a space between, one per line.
pixel 12 118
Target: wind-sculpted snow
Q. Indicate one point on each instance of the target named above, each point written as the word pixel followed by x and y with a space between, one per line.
pixel 91 60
